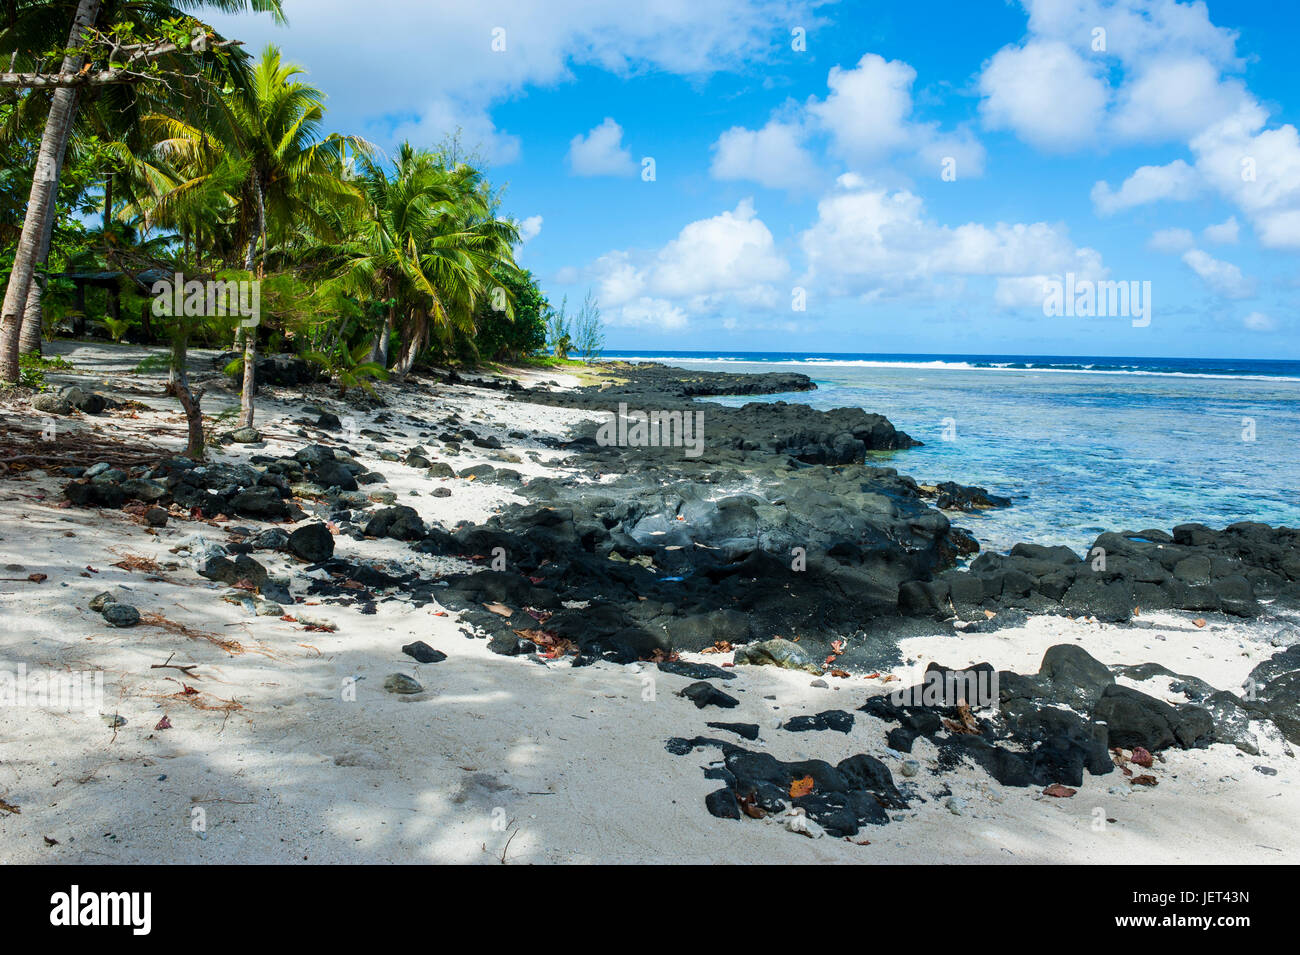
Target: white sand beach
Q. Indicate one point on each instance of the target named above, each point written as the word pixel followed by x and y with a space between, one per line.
pixel 292 751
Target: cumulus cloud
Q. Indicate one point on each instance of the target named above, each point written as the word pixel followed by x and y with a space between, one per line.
pixel 1177 181
pixel 1221 277
pixel 866 121
pixel 1255 168
pixel 1085 74
pixel 1045 93
pixel 724 260
pixel 1175 98
pixel 773 156
pixel 600 152
pixel 867 239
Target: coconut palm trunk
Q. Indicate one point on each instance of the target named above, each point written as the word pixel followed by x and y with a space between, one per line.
pixel 246 409
pixel 38 222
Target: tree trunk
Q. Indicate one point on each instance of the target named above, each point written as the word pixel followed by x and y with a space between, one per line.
pixel 246 409
pixel 178 385
pixel 29 341
pixel 40 203
pixel 414 345
pixel 79 320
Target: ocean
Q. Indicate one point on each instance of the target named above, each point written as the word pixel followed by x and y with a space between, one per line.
pixel 1081 445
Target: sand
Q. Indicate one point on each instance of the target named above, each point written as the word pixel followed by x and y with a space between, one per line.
pixel 292 751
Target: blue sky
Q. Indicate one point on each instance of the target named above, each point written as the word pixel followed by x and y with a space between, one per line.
pixel 799 151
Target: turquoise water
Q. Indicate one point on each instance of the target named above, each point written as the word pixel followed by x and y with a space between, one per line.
pixel 1080 451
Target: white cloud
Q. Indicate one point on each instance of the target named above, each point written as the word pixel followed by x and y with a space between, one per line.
pixel 1259 322
pixel 530 228
pixel 1258 169
pixel 1255 168
pixel 869 240
pixel 1045 93
pixel 1224 233
pixel 867 109
pixel 1175 98
pixel 601 152
pixel 1224 278
pixel 1171 240
pixel 733 251
pixel 1177 181
pixel 430 65
pixel 773 156
pixel 725 260
pixel 867 114
pixel 1155 73
pixel 866 119
pixel 653 312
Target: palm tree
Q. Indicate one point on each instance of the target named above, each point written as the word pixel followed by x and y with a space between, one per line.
pixel 31 29
pixel 271 134
pixel 425 248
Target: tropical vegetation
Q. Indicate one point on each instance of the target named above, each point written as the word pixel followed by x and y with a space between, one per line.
pixel 201 162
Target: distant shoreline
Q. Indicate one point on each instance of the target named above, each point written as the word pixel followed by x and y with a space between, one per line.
pixel 1258 369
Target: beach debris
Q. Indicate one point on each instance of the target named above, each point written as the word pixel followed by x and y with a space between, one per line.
pixel 402 684
pixel 1059 791
pixel 163 724
pixel 9 807
pixel 500 609
pixel 29 579
pixel 1140 757
pixel 801 787
pixel 965 723
pixel 1143 780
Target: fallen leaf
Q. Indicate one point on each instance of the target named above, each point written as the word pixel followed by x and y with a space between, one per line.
pixel 37 578
pixel 501 610
pixel 1143 781
pixel 748 805
pixel 801 787
pixel 842 674
pixel 1059 791
pixel 164 724
pixel 51 842
pixel 10 807
pixel 968 725
pixel 1198 622
pixel 1141 757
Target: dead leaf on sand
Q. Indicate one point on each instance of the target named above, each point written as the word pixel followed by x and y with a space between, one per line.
pixel 1059 791
pixel 500 610
pixel 749 806
pixel 801 787
pixel 968 724
pixel 1143 781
